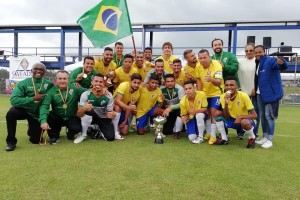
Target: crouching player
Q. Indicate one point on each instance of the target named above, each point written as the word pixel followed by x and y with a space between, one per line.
pixel 151 94
pixel 172 94
pixel 96 107
pixel 192 109
pixel 126 96
pixel 238 110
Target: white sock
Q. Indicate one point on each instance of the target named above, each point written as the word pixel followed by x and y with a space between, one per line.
pixel 250 133
pixel 221 128
pixel 208 126
pixel 200 123
pixel 115 122
pixel 86 121
pixel 178 125
pixel 192 137
pixel 213 129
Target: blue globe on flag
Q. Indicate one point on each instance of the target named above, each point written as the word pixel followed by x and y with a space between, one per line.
pixel 110 19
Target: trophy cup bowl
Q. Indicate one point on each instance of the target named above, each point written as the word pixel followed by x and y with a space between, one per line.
pixel 159 122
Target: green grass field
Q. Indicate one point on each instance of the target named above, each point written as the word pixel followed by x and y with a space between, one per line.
pixel 136 168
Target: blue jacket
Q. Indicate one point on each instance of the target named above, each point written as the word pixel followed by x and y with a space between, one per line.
pixel 269 80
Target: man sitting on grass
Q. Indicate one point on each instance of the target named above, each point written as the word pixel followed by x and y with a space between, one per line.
pixel 238 110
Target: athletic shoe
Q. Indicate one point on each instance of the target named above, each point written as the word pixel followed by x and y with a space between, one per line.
pixel 10 147
pixel 262 141
pixel 176 135
pixel 251 143
pixel 222 142
pixel 118 136
pixel 198 140
pixel 53 141
pixel 240 137
pixel 212 140
pixel 79 139
pixel 267 144
pixel 206 136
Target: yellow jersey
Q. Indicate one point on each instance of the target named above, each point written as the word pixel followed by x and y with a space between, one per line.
pixel 99 66
pixel 147 100
pixel 167 63
pixel 192 70
pixel 121 76
pixel 144 69
pixel 241 105
pixel 215 71
pixel 124 90
pixel 181 78
pixel 199 102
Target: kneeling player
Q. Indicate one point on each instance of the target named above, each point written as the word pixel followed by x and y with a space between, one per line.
pixel 238 110
pixel 126 96
pixel 96 107
pixel 150 94
pixel 192 109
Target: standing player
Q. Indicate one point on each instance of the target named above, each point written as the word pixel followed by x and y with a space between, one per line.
pixel 157 71
pixel 142 66
pixel 118 56
pixel 126 97
pixel 167 57
pixel 192 109
pixel 179 74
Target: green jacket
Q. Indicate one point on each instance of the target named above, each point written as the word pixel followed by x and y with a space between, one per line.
pixel 230 62
pixel 54 99
pixel 84 82
pixel 23 94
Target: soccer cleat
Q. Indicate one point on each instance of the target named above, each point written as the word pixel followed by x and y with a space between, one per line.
pixel 222 142
pixel 206 136
pixel 79 139
pixel 240 137
pixel 212 140
pixel 118 136
pixel 262 141
pixel 198 140
pixel 176 135
pixel 53 141
pixel 251 143
pixel 267 144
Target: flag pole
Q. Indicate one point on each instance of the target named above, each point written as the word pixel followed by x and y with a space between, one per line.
pixel 134 48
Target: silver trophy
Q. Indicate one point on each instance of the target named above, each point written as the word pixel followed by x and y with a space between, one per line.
pixel 159 123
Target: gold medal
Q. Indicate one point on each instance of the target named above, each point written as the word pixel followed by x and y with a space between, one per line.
pixel 65 106
pixel 84 75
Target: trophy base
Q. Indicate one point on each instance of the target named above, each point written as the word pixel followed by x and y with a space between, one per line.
pixel 158 141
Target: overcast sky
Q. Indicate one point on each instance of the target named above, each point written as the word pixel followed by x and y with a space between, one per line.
pixel 15 12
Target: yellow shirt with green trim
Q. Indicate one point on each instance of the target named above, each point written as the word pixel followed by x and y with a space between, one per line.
pixel 124 90
pixel 121 76
pixel 181 78
pixel 241 105
pixel 143 70
pixel 192 70
pixel 99 66
pixel 167 63
pixel 147 100
pixel 215 71
pixel 199 102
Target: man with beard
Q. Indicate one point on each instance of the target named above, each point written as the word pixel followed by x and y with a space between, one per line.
pixel 26 100
pixel 211 78
pixel 228 60
pixel 167 57
pixel 157 71
pixel 172 93
pixel 179 75
pixel 106 66
pixel 81 76
pixel 192 67
pixel 123 73
pixel 192 110
pixel 118 56
pixel 126 97
pixel 63 99
pixel 142 65
pixel 146 107
pixel 96 107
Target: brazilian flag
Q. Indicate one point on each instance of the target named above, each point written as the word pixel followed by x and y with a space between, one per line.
pixel 106 23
